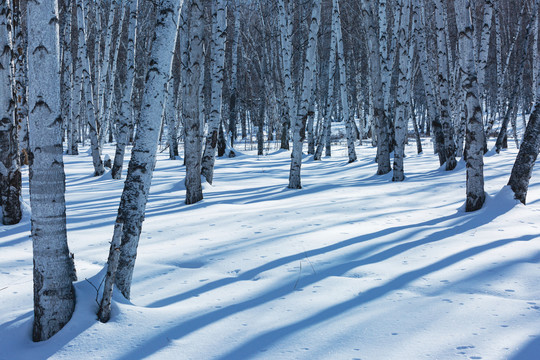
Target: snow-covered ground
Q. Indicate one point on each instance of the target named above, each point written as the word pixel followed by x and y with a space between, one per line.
pixel 352 266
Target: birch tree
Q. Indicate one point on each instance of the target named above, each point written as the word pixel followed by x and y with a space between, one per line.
pixel 10 174
pixel 336 23
pixel 474 146
pixel 87 84
pixel 125 108
pixel 54 295
pixel 299 132
pixel 219 24
pixel 192 124
pixel 143 156
pixel 444 86
pixel 403 95
pixel 285 32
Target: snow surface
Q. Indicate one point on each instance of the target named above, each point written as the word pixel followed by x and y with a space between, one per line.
pixel 352 266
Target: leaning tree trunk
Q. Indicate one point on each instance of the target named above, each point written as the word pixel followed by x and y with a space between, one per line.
pixel 299 133
pixel 143 156
pixel 10 174
pixel 474 146
pixel 219 25
pixel 526 158
pixel 54 295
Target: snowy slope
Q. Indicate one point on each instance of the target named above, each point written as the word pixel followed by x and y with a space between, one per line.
pixel 352 266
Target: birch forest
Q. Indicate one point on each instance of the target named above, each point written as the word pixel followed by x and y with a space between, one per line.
pixel 121 91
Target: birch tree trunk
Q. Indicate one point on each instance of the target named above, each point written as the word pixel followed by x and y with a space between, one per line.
pixel 299 133
pixel 484 47
pixel 429 87
pixel 444 87
pixel 474 145
pixel 219 25
pixel 125 107
pixel 192 124
pixel 19 48
pixel 285 26
pixel 10 174
pixel 336 23
pixel 143 156
pixel 54 295
pixel 527 155
pixel 88 91
pixel 403 96
pixel 233 111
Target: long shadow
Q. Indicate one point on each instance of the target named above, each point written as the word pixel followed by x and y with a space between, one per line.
pixel 189 326
pixel 252 273
pixel 251 347
pixel 530 351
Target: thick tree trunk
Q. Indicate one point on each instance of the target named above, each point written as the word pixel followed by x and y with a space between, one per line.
pixel 143 156
pixel 54 295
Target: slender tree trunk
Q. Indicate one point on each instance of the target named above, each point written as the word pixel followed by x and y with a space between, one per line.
pixel 303 112
pixel 143 156
pixel 10 174
pixel 403 95
pixel 192 124
pixel 54 295
pixel 219 25
pixel 88 91
pixel 444 87
pixel 285 26
pixel 474 146
pixel 125 111
pixel 336 22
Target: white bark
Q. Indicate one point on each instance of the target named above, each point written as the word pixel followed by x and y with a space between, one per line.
pixel 336 23
pixel 125 107
pixel 444 86
pixel 285 26
pixel 403 95
pixel 474 146
pixel 10 174
pixel 192 124
pixel 484 47
pixel 219 25
pixel 233 115
pixel 143 156
pixel 88 91
pixel 299 132
pixel 54 295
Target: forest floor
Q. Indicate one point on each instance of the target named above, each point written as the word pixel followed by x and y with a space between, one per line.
pixel 353 266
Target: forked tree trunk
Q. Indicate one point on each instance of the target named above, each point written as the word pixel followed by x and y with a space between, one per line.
pixel 54 295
